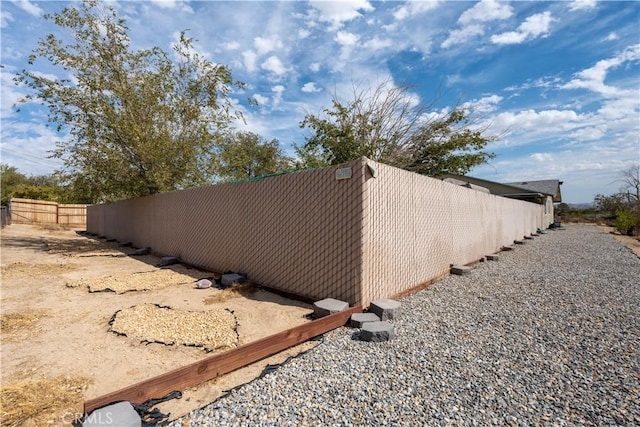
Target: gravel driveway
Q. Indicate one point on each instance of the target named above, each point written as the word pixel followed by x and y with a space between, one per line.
pixel 548 335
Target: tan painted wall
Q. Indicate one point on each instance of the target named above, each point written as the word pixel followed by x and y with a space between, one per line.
pixel 415 227
pixel 307 233
pixel 298 233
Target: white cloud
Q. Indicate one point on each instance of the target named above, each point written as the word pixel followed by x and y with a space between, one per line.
pixel 346 38
pixel 541 157
pixel 534 26
pixel 593 78
pixel 5 18
pixel 462 35
pixel 173 4
pixel 28 7
pixel 415 7
pixel 473 20
pixel 310 87
pixel 510 37
pixel 277 97
pixel 582 5
pixel 338 12
pixel 249 60
pixel 303 33
pixel 231 45
pixel 264 45
pixel 274 65
pixel 485 104
pixel 537 25
pixel 315 67
pixel 588 134
pixel 611 37
pixel 546 121
pixel 28 145
pixel 486 10
pixel 262 100
pixel 377 43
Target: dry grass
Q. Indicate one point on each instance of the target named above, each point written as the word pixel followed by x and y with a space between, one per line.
pixel 45 402
pixel 209 330
pixel 21 269
pixel 144 281
pixel 53 228
pixel 13 323
pixel 235 291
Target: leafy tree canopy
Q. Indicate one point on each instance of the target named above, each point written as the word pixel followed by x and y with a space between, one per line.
pixel 139 122
pixel 40 187
pixel 388 124
pixel 624 205
pixel 245 155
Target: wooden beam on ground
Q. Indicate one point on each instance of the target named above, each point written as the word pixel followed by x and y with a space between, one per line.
pixel 221 363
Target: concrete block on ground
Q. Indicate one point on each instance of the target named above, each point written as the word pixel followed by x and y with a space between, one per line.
pixel 142 251
pixel 385 309
pixel 359 319
pixel 168 260
pixel 119 414
pixel 528 237
pixel 111 239
pixel 460 270
pixel 492 257
pixel 376 331
pixel 519 242
pixel 230 279
pixel 506 248
pixel 125 244
pixel 329 306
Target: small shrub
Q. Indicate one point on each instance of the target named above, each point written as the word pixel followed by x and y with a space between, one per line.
pixel 626 222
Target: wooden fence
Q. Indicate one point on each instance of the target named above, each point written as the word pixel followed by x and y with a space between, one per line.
pixel 28 211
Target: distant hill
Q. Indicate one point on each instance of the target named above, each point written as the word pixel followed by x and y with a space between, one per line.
pixel 581 205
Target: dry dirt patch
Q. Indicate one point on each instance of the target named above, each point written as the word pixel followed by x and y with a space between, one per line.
pixel 236 290
pixel 143 281
pixel 15 325
pixel 74 340
pixel 44 402
pixel 150 323
pixel 23 269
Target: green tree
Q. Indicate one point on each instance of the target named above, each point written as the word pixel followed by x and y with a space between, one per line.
pixel 624 206
pixel 375 123
pixel 562 209
pixel 445 146
pixel 10 178
pixel 387 124
pixel 245 155
pixel 139 122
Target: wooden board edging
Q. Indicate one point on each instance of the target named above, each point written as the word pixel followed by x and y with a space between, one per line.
pixel 221 363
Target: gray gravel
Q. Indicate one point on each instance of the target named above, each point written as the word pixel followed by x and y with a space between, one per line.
pixel 548 335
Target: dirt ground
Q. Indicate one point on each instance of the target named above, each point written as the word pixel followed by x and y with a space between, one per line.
pixel 52 330
pixel 633 243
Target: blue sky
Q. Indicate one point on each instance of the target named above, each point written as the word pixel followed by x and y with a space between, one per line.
pixel 559 81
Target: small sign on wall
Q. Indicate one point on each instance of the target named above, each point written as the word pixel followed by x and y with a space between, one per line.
pixel 343 173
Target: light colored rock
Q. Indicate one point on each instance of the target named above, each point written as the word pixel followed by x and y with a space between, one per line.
pixel 119 414
pixel 203 284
